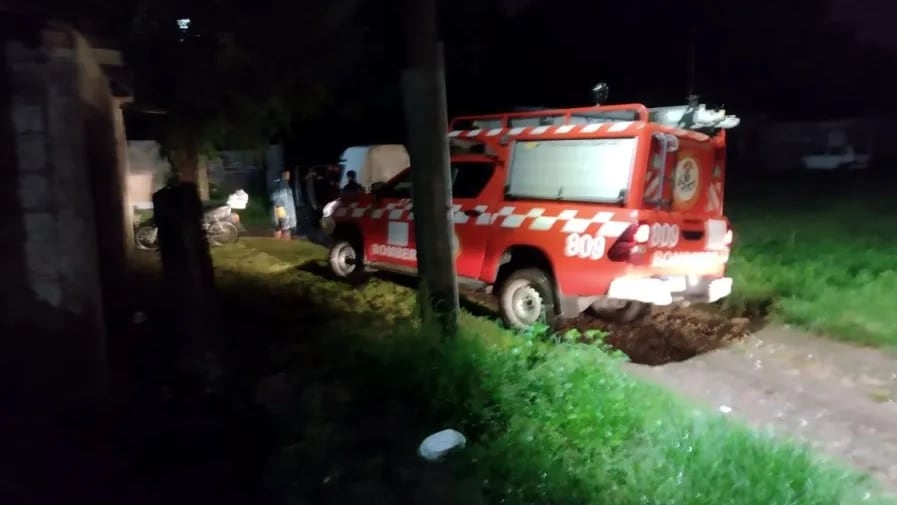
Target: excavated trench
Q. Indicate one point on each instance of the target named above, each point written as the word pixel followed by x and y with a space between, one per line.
pixel 666 335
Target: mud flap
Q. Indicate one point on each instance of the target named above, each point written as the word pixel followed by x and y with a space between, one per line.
pixel 572 306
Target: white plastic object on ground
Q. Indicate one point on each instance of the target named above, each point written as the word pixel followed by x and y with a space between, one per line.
pixel 437 445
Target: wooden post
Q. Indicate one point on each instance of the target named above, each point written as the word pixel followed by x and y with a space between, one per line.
pixel 190 311
pixel 423 88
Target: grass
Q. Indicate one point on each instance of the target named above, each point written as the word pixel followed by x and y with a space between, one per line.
pixel 548 422
pixel 826 265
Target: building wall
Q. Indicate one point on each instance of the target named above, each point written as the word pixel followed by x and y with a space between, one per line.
pixel 231 170
pixel 62 218
pixel 147 171
pixel 228 171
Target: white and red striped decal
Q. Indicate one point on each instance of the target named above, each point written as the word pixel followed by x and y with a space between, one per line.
pixel 653 179
pixel 715 197
pixel 507 216
pixel 608 128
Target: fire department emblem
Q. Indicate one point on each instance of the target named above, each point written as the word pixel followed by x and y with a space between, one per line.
pixel 686 179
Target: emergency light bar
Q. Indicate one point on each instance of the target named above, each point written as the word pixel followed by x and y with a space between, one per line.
pixel 702 117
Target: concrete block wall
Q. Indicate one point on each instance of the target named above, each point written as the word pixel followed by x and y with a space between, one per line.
pixel 62 219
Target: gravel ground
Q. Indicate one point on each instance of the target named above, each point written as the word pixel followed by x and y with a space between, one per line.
pixel 840 399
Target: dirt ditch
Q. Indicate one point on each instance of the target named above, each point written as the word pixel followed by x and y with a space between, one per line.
pixel 666 335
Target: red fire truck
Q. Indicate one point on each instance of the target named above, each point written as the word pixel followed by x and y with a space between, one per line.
pixel 605 208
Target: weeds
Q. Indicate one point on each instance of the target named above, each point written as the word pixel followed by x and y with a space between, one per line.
pixel 830 269
pixel 550 422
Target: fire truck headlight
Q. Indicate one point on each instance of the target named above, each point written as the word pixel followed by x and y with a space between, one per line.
pixel 328 225
pixel 328 209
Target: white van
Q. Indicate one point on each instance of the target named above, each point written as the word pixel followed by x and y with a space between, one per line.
pixel 376 163
pixel 372 164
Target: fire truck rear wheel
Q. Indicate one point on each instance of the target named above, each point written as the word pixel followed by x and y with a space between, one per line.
pixel 345 260
pixel 527 298
pixel 624 312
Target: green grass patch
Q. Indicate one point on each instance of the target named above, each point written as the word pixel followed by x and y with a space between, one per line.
pixel 826 266
pixel 548 422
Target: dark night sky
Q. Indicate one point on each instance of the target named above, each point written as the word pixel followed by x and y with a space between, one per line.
pixel 875 20
pixel 759 57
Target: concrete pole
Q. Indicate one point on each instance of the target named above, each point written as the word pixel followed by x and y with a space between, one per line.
pixel 121 149
pixel 423 89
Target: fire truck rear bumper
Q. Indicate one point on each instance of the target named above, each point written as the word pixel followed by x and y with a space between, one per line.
pixel 665 291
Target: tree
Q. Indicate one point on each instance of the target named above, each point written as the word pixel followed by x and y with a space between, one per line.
pixel 235 73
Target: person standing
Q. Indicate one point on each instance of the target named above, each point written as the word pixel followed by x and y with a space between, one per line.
pixel 352 188
pixel 283 207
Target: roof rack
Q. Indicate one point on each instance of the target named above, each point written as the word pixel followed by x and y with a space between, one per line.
pixel 697 118
pixel 553 117
pixel 693 116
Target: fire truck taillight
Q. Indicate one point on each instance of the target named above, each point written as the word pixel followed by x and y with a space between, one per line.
pixel 642 234
pixel 728 238
pixel 627 245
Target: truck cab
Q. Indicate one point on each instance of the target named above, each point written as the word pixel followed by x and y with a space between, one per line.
pixel 610 209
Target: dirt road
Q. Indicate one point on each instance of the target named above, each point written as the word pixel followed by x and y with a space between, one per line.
pixel 838 398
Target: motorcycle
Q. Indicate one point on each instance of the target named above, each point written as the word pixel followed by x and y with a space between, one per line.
pixel 220 224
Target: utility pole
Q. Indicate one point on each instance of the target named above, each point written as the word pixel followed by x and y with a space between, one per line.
pixel 692 61
pixel 426 120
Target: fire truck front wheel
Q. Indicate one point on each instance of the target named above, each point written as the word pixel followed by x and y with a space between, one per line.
pixel 345 260
pixel 527 298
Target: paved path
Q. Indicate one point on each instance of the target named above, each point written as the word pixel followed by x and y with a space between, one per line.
pixel 839 398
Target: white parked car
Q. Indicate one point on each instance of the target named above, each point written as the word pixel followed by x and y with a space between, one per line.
pixel 836 158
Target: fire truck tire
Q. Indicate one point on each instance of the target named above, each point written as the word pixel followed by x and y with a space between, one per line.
pixel 527 298
pixel 345 260
pixel 627 313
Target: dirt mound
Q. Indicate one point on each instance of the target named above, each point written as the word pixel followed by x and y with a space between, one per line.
pixel 667 335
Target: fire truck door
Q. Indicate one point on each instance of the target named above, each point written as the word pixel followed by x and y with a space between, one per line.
pixel 469 179
pixel 391 235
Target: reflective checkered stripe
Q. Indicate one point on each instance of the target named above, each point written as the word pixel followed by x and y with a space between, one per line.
pixel 508 216
pixel 653 179
pixel 611 129
pixel 715 197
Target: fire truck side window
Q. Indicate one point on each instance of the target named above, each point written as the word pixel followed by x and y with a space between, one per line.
pixel 587 170
pixel 469 179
